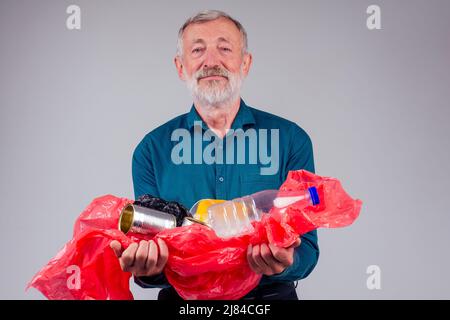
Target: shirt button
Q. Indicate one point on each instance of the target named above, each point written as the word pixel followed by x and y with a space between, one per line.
pixel 221 179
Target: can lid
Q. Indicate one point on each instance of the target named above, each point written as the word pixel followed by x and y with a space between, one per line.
pixel 314 195
pixel 126 218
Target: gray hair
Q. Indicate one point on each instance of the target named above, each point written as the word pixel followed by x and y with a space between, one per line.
pixel 210 15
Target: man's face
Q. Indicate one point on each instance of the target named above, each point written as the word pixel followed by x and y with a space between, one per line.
pixel 212 62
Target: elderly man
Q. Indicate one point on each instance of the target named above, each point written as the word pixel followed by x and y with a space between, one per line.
pixel 213 60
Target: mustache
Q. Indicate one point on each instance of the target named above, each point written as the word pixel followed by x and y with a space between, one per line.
pixel 213 71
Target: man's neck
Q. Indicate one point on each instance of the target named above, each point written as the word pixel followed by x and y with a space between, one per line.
pixel 219 119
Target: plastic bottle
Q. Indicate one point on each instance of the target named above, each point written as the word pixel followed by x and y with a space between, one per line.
pixel 234 217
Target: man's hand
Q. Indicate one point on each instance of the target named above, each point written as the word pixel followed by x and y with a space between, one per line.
pixel 144 259
pixel 270 259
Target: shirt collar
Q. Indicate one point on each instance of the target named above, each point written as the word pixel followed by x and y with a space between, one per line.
pixel 243 117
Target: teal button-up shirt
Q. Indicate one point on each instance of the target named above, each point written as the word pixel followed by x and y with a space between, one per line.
pixel 183 161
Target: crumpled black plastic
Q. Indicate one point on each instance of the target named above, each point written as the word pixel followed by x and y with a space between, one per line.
pixel 171 207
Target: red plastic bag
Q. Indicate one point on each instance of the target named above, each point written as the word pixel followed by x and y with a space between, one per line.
pixel 200 265
pixel 336 209
pixel 85 268
pixel 203 266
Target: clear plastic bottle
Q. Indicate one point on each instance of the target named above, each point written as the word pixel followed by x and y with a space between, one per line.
pixel 232 218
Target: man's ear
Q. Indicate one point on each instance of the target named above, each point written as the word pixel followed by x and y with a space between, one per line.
pixel 179 66
pixel 247 63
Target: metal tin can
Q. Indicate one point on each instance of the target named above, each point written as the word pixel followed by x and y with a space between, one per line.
pixel 143 220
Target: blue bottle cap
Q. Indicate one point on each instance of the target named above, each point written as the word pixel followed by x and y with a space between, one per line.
pixel 314 195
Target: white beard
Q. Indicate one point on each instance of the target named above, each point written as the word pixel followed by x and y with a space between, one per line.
pixel 213 94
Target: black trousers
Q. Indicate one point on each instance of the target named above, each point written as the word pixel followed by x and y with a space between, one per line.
pixel 274 291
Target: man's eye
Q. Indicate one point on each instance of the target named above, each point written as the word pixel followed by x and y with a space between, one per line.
pixel 197 50
pixel 225 49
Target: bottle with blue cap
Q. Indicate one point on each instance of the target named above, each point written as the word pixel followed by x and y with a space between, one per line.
pixel 234 217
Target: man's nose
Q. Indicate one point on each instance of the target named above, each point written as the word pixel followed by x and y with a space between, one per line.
pixel 211 59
